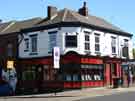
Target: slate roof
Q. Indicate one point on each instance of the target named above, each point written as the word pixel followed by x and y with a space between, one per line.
pixel 16 26
pixel 4 25
pixel 67 15
pixel 63 16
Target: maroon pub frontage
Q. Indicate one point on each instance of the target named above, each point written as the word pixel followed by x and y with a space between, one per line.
pixel 76 71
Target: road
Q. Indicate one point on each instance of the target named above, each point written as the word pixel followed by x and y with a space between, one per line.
pixel 89 94
pixel 129 96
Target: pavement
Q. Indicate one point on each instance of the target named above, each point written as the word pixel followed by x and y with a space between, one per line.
pixel 70 95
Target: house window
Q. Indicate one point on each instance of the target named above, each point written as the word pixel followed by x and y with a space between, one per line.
pixel 33 43
pixel 125 43
pixel 87 41
pixel 52 40
pixel 97 43
pixel 26 44
pixel 29 74
pixel 113 45
pixel 71 41
pixel 10 50
pixel 125 49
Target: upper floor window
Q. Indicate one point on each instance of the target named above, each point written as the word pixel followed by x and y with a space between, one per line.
pixel 97 43
pixel 113 44
pixel 33 43
pixel 52 40
pixel 125 43
pixel 125 50
pixel 71 41
pixel 26 44
pixel 87 40
pixel 9 50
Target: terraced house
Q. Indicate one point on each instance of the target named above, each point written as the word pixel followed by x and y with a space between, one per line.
pixel 91 51
pixel 9 41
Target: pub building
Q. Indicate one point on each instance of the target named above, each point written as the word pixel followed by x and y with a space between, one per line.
pixel 91 51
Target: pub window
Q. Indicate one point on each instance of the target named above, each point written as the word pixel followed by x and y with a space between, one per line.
pixel 125 43
pixel 87 40
pixel 92 72
pixel 71 41
pixel 125 50
pixel 113 45
pixel 68 77
pixel 52 40
pixel 75 77
pixel 26 44
pixel 33 43
pixel 29 74
pixel 97 43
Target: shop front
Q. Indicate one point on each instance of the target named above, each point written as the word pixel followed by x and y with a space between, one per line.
pixel 76 71
pixel 82 71
pixel 34 74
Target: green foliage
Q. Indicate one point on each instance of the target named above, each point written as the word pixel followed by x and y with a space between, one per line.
pixel 133 51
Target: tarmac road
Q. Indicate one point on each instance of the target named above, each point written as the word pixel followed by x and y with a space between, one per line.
pixel 88 94
pixel 129 96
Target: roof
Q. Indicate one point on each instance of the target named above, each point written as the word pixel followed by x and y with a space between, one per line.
pixel 4 25
pixel 67 15
pixel 63 16
pixel 16 26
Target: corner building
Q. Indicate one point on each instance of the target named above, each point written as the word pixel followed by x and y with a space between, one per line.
pixel 91 51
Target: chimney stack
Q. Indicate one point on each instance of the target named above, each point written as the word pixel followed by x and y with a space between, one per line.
pixel 51 11
pixel 84 10
pixel 0 21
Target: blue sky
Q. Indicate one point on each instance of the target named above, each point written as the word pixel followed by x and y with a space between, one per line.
pixel 118 12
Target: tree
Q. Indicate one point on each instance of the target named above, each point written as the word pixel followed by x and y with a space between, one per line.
pixel 133 51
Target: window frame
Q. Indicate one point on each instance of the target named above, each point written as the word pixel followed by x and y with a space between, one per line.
pixel 71 43
pixel 113 44
pixel 34 45
pixel 52 40
pixel 125 49
pixel 26 42
pixel 97 43
pixel 87 41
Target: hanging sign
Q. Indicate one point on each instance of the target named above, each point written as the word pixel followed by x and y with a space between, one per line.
pixel 56 57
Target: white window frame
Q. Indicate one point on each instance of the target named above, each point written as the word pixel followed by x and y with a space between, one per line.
pixel 97 43
pixel 52 40
pixel 113 44
pixel 26 42
pixel 34 46
pixel 87 42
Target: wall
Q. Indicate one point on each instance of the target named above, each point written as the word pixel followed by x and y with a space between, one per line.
pixel 4 41
pixel 105 42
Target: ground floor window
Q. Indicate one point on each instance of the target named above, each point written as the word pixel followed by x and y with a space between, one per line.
pixel 92 72
pixel 29 73
pixel 71 77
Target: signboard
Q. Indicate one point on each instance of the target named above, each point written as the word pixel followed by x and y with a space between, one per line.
pixel 56 57
pixel 10 64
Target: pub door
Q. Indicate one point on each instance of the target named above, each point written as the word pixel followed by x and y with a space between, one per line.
pixel 39 78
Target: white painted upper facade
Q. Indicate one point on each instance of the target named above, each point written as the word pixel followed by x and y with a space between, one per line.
pixel 43 42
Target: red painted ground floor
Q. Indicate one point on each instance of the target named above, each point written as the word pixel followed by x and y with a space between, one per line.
pixel 76 71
